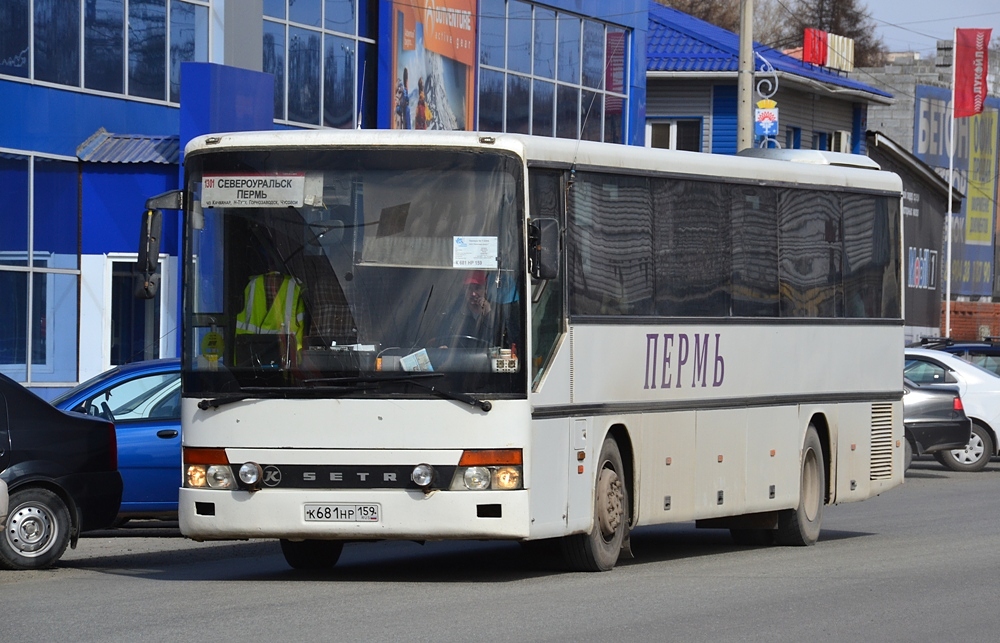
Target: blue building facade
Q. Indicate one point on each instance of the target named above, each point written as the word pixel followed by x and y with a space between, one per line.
pixel 97 111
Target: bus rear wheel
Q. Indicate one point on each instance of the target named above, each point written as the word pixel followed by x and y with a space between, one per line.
pixel 598 551
pixel 311 555
pixel 801 526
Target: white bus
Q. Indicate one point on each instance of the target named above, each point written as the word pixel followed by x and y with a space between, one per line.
pixel 464 336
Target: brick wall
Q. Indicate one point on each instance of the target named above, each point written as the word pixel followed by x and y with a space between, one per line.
pixel 972 320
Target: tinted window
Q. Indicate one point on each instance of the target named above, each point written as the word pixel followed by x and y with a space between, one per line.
pixel 611 253
pixel 57 41
pixel 492 32
pixel 518 104
pixel 338 85
pixel 545 43
pixel 15 29
pixel 147 48
pixel 755 252
pixel 593 54
pixel 303 75
pixel 188 40
pixel 810 251
pixel 519 37
pixel 274 63
pixel 542 101
pixel 692 248
pixel 491 101
pixel 104 45
pixel 569 49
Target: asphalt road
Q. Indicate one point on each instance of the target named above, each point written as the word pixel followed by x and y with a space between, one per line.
pixel 920 563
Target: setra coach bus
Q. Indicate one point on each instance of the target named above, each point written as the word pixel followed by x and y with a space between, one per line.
pixel 401 335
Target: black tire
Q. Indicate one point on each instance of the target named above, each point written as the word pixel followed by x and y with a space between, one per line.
pixel 311 555
pixel 752 537
pixel 36 531
pixel 907 455
pixel 801 526
pixel 598 551
pixel 974 457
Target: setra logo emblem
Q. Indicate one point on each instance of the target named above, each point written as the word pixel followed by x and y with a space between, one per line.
pixel 272 476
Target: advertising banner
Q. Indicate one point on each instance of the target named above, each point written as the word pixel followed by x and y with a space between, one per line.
pixel 973 227
pixel 434 60
pixel 971 65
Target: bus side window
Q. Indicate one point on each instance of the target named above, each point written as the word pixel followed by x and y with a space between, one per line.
pixel 545 194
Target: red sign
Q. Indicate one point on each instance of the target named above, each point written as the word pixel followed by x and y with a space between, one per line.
pixel 814 47
pixel 971 65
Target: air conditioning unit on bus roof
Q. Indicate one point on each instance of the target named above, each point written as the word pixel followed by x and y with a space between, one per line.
pixel 813 157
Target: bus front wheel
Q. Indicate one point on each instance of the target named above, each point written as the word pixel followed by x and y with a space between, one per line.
pixel 598 551
pixel 312 555
pixel 801 526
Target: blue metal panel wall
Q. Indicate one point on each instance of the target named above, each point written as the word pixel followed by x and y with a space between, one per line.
pixel 56 121
pixel 724 119
pixel 114 195
pixel 218 98
pixel 859 129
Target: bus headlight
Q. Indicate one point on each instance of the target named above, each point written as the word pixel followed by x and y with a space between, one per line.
pixel 251 474
pixel 196 476
pixel 482 469
pixel 423 475
pixel 477 478
pixel 507 478
pixel 220 476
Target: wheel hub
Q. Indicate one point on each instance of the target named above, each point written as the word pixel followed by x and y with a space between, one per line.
pixel 611 502
pixel 30 530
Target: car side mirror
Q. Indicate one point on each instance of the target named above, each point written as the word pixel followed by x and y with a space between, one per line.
pixel 543 248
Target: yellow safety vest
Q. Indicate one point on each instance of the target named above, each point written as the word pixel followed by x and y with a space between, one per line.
pixel 285 316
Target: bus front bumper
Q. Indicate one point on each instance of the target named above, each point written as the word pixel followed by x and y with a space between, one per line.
pixel 208 514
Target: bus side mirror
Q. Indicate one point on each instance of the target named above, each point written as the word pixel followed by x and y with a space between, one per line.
pixel 147 279
pixel 544 248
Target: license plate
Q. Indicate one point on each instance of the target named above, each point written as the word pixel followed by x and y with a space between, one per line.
pixel 371 512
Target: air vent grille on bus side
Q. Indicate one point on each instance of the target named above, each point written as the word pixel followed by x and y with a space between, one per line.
pixel 881 454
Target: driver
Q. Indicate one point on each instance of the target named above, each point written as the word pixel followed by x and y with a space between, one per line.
pixel 474 319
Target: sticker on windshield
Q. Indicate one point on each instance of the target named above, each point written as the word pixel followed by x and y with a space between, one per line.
pixel 475 252
pixel 253 190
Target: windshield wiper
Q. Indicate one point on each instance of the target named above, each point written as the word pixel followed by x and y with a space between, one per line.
pixel 415 380
pixel 276 392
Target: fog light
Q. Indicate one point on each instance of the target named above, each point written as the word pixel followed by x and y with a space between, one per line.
pixel 423 475
pixel 196 475
pixel 507 478
pixel 251 474
pixel 477 478
pixel 219 477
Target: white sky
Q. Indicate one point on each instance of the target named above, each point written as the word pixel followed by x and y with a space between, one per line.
pixel 917 25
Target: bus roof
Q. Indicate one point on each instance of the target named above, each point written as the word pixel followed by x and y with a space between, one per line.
pixel 783 166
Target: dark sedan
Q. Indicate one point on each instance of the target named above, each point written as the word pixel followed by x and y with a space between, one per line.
pixel 933 420
pixel 61 472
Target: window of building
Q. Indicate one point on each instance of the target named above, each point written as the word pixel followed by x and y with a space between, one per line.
pixel 793 138
pixel 132 47
pixel 674 134
pixel 549 72
pixel 322 55
pixel 135 323
pixel 39 268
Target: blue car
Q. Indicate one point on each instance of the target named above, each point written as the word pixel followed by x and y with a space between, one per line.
pixel 143 400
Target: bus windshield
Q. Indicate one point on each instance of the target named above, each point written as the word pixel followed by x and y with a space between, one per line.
pixel 354 272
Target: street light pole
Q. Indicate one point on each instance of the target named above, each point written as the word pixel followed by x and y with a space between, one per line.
pixel 744 79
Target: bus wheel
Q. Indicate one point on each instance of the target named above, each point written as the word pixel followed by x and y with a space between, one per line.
pixel 800 526
pixel 311 554
pixel 598 551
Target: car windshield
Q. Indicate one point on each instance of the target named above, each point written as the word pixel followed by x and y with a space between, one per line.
pixel 307 267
